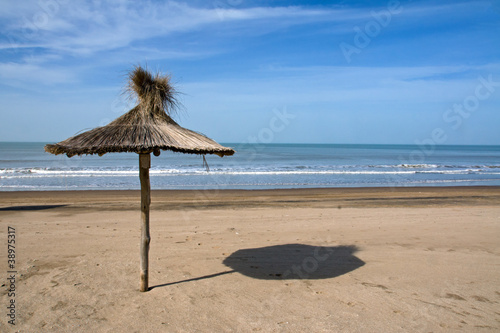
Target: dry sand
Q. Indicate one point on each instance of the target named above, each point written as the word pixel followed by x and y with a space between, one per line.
pixel 312 260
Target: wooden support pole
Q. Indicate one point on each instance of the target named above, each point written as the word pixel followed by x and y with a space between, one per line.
pixel 144 165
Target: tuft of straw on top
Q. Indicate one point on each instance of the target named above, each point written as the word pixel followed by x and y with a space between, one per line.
pixel 155 93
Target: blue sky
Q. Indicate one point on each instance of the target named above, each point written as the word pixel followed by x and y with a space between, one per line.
pixel 390 72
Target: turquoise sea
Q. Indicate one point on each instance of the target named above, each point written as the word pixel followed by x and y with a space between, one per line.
pixel 25 166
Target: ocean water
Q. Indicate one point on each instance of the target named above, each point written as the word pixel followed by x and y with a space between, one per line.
pixel 25 166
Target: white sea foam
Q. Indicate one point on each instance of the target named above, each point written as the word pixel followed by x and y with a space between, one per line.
pixel 40 173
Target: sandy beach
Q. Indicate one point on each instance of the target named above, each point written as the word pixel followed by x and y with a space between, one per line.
pixel 309 260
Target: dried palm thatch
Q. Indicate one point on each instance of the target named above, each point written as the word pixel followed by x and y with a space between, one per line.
pixel 146 128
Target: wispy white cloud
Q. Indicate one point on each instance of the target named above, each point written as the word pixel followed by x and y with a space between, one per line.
pixel 17 75
pixel 86 27
pixel 48 31
pixel 332 85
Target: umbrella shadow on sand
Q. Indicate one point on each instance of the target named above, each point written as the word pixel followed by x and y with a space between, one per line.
pixel 295 261
pixel 289 261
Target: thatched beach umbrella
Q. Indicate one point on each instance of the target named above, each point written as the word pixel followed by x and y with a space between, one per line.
pixel 147 128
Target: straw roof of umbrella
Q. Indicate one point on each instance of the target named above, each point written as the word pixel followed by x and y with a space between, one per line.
pixel 146 128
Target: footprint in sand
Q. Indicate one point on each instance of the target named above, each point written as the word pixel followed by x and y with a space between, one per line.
pixel 367 284
pixel 481 299
pixel 455 296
